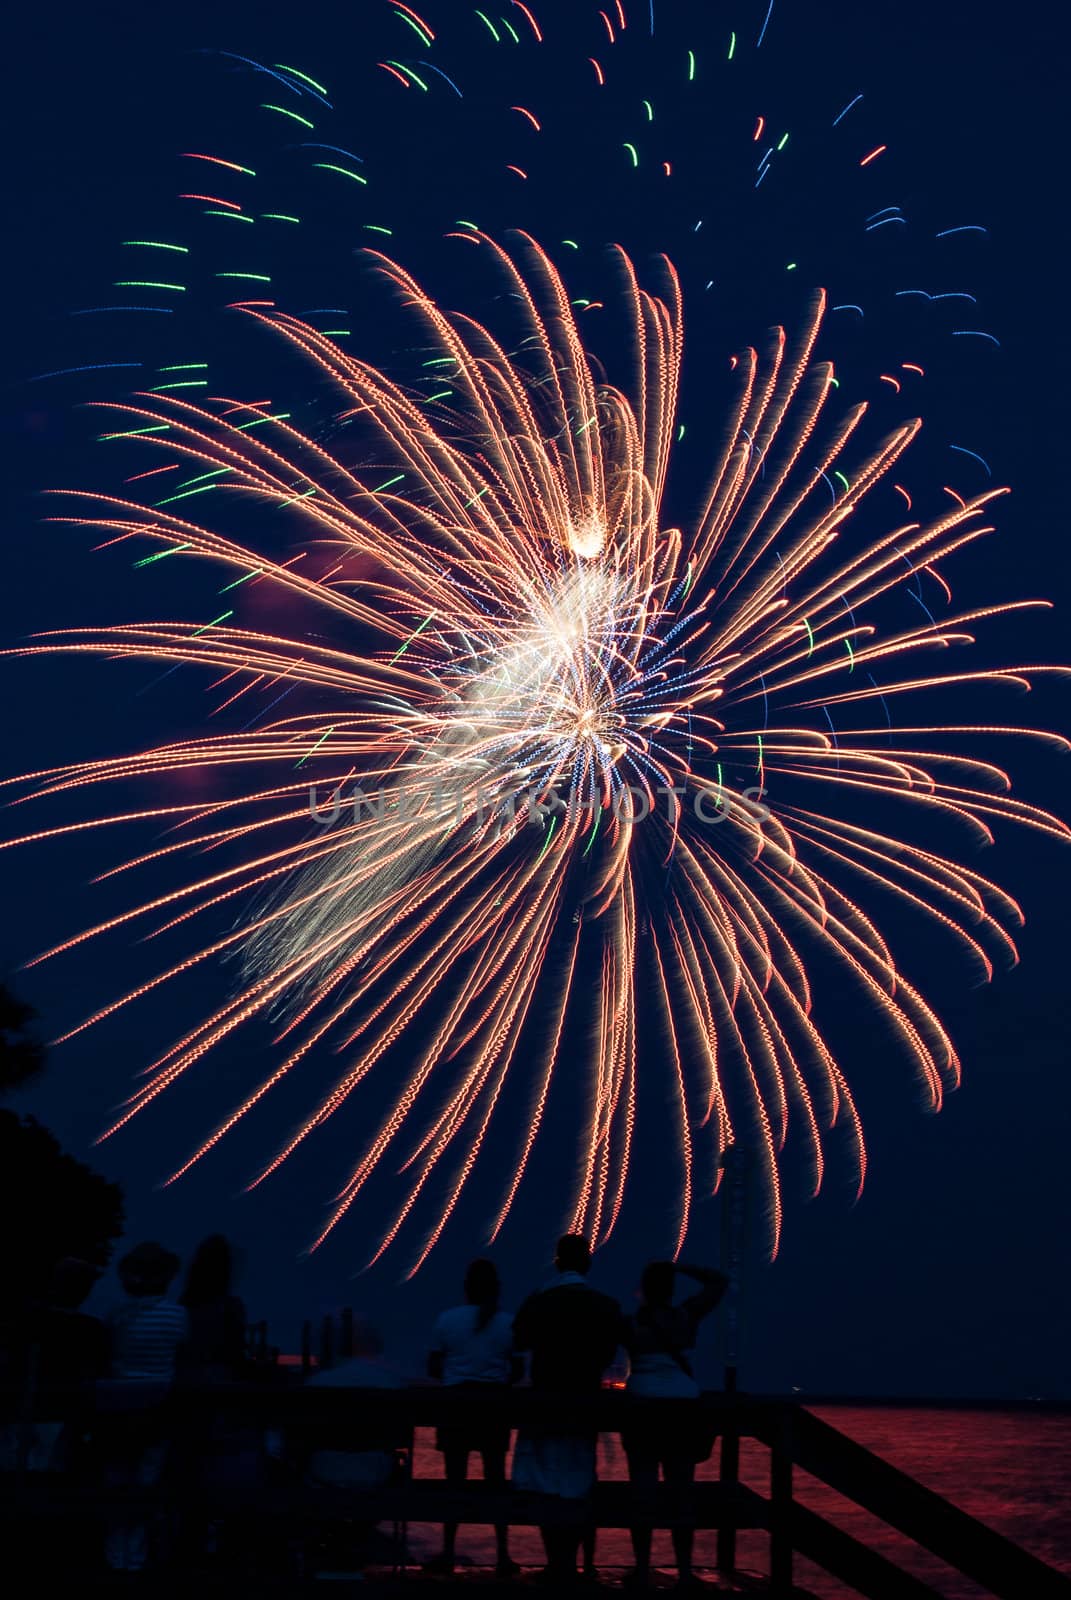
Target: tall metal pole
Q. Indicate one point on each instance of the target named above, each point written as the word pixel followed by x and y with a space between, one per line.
pixel 327 1343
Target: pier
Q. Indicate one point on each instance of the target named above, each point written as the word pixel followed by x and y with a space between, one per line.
pixel 283 1511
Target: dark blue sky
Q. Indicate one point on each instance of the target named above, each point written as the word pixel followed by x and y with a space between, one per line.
pixel 949 1276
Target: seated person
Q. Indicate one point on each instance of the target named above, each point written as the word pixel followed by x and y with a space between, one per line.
pixel 344 1457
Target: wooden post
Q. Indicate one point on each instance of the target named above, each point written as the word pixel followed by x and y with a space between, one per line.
pixel 729 1477
pixel 327 1342
pixel 346 1342
pixel 733 1219
pixel 306 1348
pixel 781 1507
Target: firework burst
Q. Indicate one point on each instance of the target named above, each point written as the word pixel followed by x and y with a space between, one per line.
pixel 575 756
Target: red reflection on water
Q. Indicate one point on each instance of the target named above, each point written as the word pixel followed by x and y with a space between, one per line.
pixel 1010 1469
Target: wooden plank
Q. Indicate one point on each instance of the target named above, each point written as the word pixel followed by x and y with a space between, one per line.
pixel 612 1505
pixel 1002 1568
pixel 854 1563
pixel 285 1401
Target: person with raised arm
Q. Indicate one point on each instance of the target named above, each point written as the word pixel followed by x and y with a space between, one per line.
pixel 658 1337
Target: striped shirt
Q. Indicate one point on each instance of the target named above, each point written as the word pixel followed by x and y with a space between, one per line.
pixel 146 1334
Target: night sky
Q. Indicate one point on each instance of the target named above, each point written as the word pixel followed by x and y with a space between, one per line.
pixel 949 1276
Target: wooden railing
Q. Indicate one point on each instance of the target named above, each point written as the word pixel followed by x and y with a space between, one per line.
pixel 794 1438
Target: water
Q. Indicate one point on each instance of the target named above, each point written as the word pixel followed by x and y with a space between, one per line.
pixel 1010 1469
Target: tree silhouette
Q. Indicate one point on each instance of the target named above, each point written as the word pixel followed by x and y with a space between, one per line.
pixel 22 1056
pixel 51 1204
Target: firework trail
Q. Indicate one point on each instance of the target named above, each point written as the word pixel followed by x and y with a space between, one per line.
pixel 532 787
pixel 580 741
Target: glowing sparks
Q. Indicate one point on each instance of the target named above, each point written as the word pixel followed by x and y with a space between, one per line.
pixel 562 754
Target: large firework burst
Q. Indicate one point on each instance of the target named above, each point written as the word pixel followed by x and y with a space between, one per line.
pixel 569 741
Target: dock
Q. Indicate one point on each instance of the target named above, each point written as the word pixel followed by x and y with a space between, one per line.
pixel 282 1511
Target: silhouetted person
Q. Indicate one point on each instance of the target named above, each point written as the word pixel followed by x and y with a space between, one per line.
pixel 147 1327
pixel 147 1330
pixel 657 1338
pixel 472 1350
pixel 215 1344
pixel 573 1333
pixel 71 1346
pixel 54 1346
pixel 345 1456
pixel 220 1448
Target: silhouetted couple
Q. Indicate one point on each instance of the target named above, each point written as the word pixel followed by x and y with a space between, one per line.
pixel 153 1337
